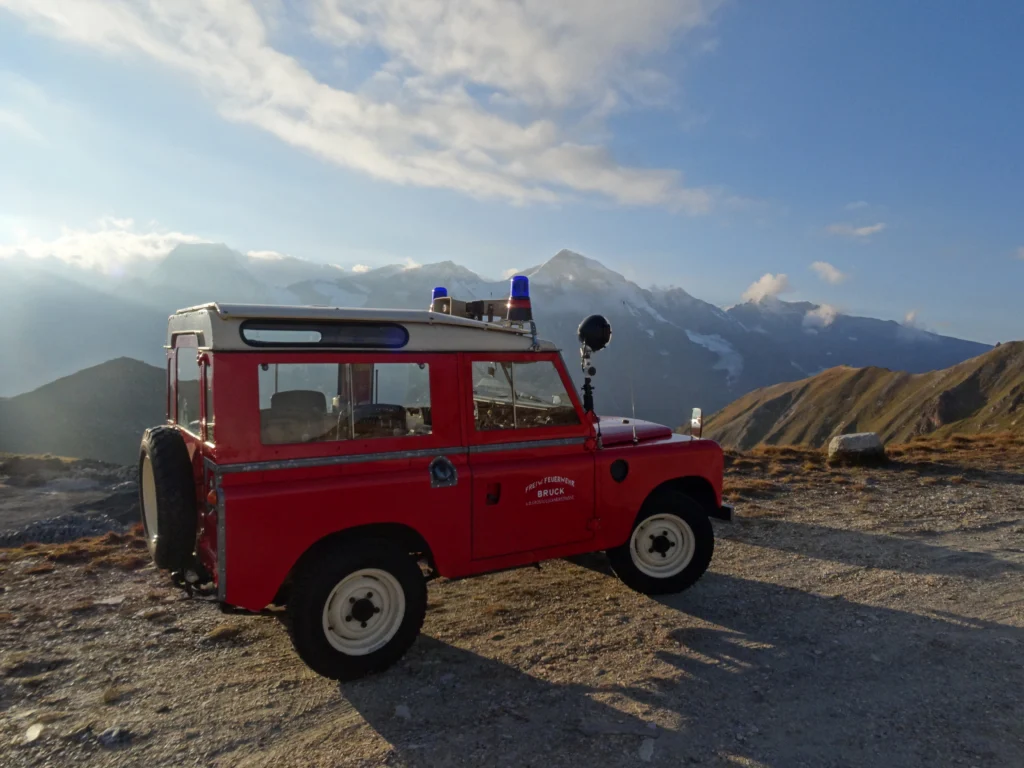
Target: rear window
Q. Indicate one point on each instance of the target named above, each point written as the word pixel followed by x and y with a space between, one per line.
pixel 339 334
pixel 327 402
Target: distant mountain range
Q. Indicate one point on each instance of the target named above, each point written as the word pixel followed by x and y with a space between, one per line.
pixel 984 394
pixel 670 351
pixel 98 413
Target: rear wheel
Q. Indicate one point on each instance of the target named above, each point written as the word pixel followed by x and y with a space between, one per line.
pixel 357 608
pixel 167 497
pixel 669 548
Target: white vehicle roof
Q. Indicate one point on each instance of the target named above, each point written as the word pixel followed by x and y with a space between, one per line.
pixel 220 327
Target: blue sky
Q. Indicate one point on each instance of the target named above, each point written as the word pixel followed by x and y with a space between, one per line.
pixel 689 142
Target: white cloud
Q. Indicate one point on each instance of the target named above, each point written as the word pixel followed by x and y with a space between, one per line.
pixel 509 273
pixel 769 286
pixel 267 255
pixel 360 268
pixel 410 263
pixel 557 69
pixel 849 230
pixel 828 273
pixel 109 247
pixel 12 122
pixel 821 317
pixel 856 206
pixel 912 329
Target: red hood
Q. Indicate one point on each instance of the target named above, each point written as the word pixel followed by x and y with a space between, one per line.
pixel 616 430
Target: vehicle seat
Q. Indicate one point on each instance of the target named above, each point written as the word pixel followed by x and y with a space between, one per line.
pixel 295 416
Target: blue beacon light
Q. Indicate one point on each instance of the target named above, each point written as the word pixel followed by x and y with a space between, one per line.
pixel 520 287
pixel 519 307
pixel 440 292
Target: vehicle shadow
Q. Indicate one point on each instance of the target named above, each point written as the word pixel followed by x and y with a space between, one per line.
pixel 794 678
pixel 444 705
pixel 871 550
pixel 751 673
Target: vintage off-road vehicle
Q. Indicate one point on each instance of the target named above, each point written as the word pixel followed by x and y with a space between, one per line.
pixel 334 460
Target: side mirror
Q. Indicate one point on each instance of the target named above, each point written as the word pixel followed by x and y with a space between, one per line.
pixel 697 423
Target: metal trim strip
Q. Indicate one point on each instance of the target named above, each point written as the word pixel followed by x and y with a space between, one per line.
pixel 330 461
pixel 525 444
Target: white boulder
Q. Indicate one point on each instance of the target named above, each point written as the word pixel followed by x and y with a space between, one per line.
pixel 859 448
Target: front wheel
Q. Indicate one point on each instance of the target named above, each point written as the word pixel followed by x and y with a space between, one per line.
pixel 669 548
pixel 357 608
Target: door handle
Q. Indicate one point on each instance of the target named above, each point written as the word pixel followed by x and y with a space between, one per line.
pixel 493 493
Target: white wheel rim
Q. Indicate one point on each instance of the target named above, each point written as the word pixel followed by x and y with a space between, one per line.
pixel 363 612
pixel 149 501
pixel 662 546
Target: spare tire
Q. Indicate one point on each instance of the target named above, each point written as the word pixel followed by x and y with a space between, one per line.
pixel 167 498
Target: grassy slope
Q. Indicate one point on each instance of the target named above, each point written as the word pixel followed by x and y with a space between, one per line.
pixel 97 413
pixel 984 394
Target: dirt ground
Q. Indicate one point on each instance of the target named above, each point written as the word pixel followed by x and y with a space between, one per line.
pixel 852 617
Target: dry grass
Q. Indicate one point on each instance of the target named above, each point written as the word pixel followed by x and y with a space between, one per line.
pixel 113 694
pixel 771 470
pixel 126 552
pixel 497 609
pixel 223 633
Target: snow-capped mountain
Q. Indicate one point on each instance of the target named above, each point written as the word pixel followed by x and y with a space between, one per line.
pixel 670 351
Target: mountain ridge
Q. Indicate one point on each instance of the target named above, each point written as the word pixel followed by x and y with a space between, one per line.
pixel 99 412
pixel 982 394
pixel 670 350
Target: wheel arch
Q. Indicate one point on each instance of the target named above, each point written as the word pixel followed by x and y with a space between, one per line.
pixel 401 533
pixel 697 487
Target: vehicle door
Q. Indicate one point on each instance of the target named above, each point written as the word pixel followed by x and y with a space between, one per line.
pixel 531 463
pixel 337 440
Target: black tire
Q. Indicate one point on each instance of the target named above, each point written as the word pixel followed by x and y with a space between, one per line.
pixel 173 490
pixel 624 561
pixel 313 587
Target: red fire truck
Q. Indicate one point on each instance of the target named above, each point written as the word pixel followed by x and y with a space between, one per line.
pixel 335 460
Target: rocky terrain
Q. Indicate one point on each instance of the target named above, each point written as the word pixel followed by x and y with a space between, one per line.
pixel 851 617
pixel 984 394
pixel 49 499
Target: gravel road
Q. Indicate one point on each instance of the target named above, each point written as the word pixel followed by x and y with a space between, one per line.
pixel 873 620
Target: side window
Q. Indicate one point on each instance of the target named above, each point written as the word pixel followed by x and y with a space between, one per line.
pixel 520 396
pixel 320 402
pixel 493 404
pixel 187 389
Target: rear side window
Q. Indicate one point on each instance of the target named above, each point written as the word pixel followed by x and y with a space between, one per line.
pixel 187 389
pixel 520 396
pixel 326 402
pixel 209 402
